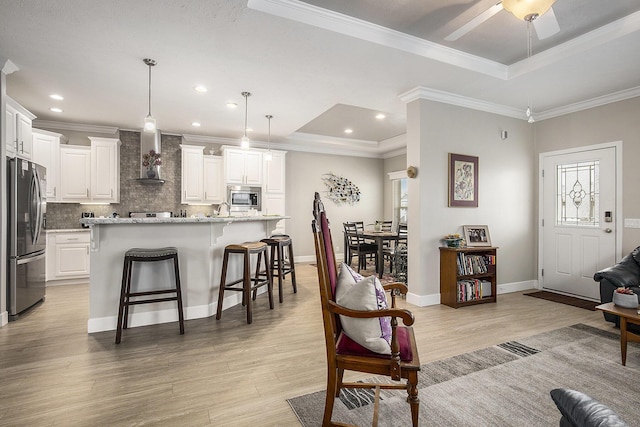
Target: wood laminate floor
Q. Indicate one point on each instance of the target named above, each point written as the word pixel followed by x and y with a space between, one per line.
pixel 220 373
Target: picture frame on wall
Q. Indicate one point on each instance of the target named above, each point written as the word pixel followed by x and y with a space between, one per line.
pixel 476 235
pixel 463 180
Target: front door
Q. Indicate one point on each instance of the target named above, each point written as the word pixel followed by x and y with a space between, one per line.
pixel 579 215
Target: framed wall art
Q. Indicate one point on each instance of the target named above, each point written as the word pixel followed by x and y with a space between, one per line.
pixel 476 235
pixel 463 180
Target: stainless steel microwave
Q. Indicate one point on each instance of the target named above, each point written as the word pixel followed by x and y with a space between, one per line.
pixel 242 198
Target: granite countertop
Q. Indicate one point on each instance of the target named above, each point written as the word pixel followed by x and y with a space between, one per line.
pixel 67 230
pixel 190 220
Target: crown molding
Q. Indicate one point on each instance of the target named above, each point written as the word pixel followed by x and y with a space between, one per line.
pixel 461 101
pixel 353 27
pixel 590 103
pixel 599 36
pixel 8 66
pixel 75 127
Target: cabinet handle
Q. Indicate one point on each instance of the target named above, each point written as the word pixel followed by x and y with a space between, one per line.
pixel 54 191
pixel 87 250
pixel 112 193
pixel 22 146
pixel 87 192
pixel 205 195
pixel 72 238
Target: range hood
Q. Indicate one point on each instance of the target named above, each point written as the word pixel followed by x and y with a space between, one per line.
pixel 150 141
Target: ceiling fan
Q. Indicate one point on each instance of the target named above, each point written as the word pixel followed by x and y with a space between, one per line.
pixel 539 12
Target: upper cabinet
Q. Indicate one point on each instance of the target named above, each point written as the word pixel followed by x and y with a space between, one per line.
pixel 18 130
pixel 201 176
pixel 105 170
pixel 242 167
pixel 90 174
pixel 274 173
pixel 75 176
pixel 46 152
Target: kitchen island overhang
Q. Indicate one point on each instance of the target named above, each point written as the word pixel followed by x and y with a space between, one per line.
pixel 200 242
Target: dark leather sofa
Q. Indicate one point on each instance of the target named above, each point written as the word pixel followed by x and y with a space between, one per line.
pixel 580 410
pixel 626 274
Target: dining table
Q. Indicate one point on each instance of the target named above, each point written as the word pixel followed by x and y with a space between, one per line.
pixel 380 237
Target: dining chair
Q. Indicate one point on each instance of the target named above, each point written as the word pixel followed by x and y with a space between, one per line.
pixel 343 353
pixel 356 246
pixel 390 252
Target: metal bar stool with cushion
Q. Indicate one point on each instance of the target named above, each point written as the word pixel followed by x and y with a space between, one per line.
pixel 281 265
pixel 249 284
pixel 147 255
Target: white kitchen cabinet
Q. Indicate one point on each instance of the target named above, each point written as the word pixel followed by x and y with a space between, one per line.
pixel 274 173
pixel 68 255
pixel 18 137
pixel 201 176
pixel 192 170
pixel 75 173
pixel 213 187
pixel 242 167
pixel 105 170
pixel 46 152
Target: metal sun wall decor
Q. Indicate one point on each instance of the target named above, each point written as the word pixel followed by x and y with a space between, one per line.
pixel 340 189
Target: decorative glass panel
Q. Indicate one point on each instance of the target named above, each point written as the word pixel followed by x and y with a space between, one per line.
pixel 577 194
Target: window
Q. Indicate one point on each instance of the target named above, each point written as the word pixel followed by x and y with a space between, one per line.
pixel 577 194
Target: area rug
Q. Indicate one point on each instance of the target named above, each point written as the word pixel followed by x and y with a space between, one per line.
pixel 564 299
pixel 503 385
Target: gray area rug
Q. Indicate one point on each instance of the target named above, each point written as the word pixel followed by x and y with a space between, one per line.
pixel 504 385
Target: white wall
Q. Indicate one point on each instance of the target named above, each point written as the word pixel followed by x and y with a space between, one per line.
pixel 506 189
pixel 304 177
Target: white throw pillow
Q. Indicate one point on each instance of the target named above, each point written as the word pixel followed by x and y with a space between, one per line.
pixel 358 293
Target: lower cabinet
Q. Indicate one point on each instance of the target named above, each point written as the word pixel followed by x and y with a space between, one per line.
pixel 68 255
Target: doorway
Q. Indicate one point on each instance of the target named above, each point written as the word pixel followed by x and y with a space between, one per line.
pixel 580 213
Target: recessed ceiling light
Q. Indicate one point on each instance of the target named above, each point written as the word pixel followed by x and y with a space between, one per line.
pixel 200 89
pixel 232 105
pixel 55 109
pixel 348 130
pixel 380 116
pixel 56 97
pixel 196 124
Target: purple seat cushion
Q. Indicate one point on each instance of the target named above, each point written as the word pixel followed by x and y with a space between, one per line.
pixel 347 346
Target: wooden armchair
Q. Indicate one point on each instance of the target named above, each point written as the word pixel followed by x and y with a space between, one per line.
pixel 345 354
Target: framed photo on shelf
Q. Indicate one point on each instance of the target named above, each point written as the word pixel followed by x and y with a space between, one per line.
pixel 463 180
pixel 476 235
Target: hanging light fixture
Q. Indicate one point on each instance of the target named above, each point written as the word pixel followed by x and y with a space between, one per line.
pixel 527 10
pixel 244 142
pixel 529 111
pixel 149 121
pixel 268 157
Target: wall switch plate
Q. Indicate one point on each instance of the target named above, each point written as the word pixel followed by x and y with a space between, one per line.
pixel 632 222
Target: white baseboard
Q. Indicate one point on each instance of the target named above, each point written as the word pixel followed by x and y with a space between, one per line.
pixel 504 288
pixel 4 318
pixel 63 282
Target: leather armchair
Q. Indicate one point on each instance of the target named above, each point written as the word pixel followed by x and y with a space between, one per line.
pixel 625 274
pixel 580 410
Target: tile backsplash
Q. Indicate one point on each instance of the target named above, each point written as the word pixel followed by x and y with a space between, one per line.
pixel 134 195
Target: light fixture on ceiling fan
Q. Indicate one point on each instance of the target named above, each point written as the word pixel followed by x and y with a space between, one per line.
pixel 149 121
pixel 244 142
pixel 539 12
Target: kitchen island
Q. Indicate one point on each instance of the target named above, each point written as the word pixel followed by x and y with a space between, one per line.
pixel 200 242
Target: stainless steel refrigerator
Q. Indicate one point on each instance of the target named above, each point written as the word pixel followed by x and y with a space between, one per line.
pixel 26 270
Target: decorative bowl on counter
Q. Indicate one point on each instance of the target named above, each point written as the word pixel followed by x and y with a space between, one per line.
pixel 453 243
pixel 625 300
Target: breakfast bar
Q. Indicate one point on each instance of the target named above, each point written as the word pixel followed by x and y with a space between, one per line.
pixel 200 242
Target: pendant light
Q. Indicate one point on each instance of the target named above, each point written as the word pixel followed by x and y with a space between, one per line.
pixel 244 142
pixel 529 112
pixel 149 121
pixel 268 157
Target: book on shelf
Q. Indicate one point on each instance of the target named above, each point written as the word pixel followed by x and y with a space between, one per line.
pixel 473 289
pixel 469 264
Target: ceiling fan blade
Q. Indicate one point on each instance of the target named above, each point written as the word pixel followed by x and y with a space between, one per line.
pixel 546 25
pixel 474 22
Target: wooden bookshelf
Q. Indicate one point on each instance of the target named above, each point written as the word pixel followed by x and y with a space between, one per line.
pixel 473 282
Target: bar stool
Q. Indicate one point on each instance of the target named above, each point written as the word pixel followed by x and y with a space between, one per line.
pixel 147 255
pixel 280 266
pixel 249 284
